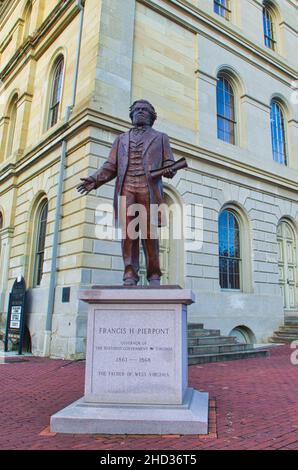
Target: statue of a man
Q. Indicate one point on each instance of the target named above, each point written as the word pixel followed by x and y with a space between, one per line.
pixel 133 156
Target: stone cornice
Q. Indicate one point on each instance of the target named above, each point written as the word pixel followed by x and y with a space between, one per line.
pixel 8 37
pixel 6 232
pixel 8 5
pixel 194 18
pixel 34 41
pixel 255 102
pixel 202 75
pixel 24 97
pixel 258 3
pixel 293 122
pixel 289 27
pixel 89 117
pixel 293 4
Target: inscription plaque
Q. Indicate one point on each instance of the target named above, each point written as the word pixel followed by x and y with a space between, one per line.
pixel 132 360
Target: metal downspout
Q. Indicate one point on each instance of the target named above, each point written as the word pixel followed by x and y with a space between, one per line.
pixel 53 275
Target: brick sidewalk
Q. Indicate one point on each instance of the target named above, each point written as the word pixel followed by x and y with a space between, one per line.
pixel 256 406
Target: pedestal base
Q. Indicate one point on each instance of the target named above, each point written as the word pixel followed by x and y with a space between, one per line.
pixel 82 417
pixel 136 378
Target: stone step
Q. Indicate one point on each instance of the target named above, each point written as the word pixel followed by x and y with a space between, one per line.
pixel 279 341
pixel 292 329
pixel 195 326
pixel 195 333
pixel 282 334
pixel 202 340
pixel 227 356
pixel 217 348
pixel 291 319
pixel 286 339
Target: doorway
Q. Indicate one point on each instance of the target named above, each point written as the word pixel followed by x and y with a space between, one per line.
pixel 287 265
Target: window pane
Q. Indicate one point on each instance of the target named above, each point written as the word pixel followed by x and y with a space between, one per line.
pixel 222 8
pixel 225 111
pixel 278 137
pixel 40 245
pixel 268 28
pixel 221 128
pixel 56 92
pixel 223 273
pixel 233 274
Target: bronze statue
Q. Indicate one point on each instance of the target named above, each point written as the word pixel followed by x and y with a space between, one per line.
pixel 134 157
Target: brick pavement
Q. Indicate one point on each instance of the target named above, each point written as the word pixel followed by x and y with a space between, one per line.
pixel 256 406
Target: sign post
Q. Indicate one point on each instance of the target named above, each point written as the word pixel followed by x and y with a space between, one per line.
pixel 15 326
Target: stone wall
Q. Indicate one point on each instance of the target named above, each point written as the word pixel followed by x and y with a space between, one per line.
pixel 169 53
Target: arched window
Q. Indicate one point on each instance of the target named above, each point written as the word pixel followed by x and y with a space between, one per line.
pixel 229 251
pixel 42 216
pixel 278 134
pixel 27 19
pixel 268 24
pixel 226 122
pixel 222 8
pixel 56 91
pixel 12 125
pixel 171 243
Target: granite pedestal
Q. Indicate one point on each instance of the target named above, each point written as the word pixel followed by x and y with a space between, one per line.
pixel 136 378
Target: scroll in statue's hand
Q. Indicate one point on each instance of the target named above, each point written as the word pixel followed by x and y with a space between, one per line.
pixel 169 173
pixel 87 185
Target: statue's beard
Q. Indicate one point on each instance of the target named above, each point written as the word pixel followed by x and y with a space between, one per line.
pixel 141 121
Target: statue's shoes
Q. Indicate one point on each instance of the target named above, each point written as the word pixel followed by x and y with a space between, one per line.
pixel 154 282
pixel 130 282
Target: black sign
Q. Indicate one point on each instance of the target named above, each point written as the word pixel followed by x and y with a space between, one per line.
pixel 15 326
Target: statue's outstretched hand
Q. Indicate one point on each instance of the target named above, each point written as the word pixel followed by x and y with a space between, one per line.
pixel 87 185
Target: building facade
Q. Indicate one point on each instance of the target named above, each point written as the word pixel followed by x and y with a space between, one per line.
pixel 222 75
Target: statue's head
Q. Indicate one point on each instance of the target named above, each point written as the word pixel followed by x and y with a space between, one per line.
pixel 142 113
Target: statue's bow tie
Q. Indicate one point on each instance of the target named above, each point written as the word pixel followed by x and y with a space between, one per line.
pixel 139 130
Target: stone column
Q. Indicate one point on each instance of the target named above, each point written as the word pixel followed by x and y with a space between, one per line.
pixel 250 17
pixel 36 15
pixel 4 124
pixel 22 122
pixel 207 108
pixel 114 58
pixel 293 143
pixel 255 128
pixel 6 235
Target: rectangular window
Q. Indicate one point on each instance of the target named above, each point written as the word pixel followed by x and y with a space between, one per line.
pixel 226 129
pixel 229 273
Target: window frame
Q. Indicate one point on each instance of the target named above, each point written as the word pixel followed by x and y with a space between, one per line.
pixel 225 8
pixel 56 87
pixel 11 125
pixel 41 226
pixel 239 259
pixel 277 132
pixel 221 117
pixel 269 34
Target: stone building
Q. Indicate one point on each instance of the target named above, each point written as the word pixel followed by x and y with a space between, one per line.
pixel 222 75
